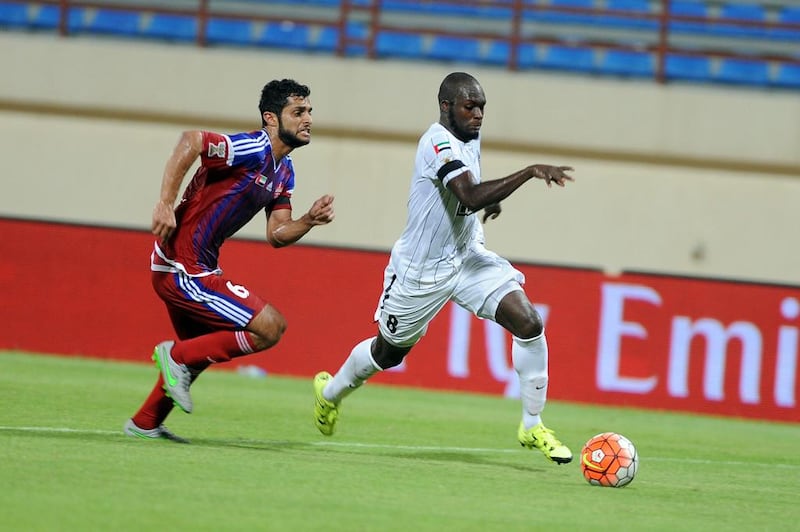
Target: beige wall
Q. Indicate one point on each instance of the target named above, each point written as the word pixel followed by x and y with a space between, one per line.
pixel 679 179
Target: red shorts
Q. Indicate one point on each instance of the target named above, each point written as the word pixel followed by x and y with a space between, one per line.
pixel 200 305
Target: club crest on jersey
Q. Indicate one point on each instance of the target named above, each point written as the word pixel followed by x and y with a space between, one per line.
pixel 217 150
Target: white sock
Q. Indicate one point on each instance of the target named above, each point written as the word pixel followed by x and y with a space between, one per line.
pixel 358 367
pixel 530 361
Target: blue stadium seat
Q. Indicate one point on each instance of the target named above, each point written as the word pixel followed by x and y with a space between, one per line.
pixel 788 15
pixel 400 5
pixel 740 12
pixel 501 12
pixel 115 22
pixel 172 27
pixel 327 39
pixel 562 17
pixel 628 63
pixel 568 58
pixel 639 7
pixel 688 68
pixel 743 71
pixel 498 53
pixel 688 8
pixel 284 35
pixel 459 10
pixel 395 44
pixel 359 32
pixel 450 48
pixel 13 15
pixel 528 56
pixel 228 31
pixel 788 76
pixel 48 17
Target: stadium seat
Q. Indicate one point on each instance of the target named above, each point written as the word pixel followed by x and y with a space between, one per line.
pixel 13 15
pixel 788 76
pixel 639 7
pixel 740 12
pixel 449 48
pixel 115 22
pixel 228 31
pixel 688 68
pixel 564 17
pixel 688 8
pixel 395 44
pixel 499 12
pixel 400 5
pixel 528 56
pixel 568 58
pixel 48 17
pixel 628 63
pixel 326 39
pixel 284 35
pixel 172 27
pixel 788 15
pixel 358 32
pixel 498 53
pixel 743 71
pixel 447 9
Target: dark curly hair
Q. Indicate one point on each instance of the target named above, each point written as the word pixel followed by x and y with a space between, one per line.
pixel 275 95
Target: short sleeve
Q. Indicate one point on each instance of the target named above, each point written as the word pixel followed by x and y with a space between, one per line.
pixel 217 150
pixel 284 199
pixel 447 161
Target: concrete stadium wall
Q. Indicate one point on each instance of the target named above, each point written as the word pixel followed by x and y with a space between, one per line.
pixel 688 180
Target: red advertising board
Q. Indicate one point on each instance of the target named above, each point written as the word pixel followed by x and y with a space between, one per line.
pixel 651 341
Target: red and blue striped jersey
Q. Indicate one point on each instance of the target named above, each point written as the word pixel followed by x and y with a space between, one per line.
pixel 236 179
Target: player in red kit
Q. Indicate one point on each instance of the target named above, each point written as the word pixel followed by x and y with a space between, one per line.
pixel 216 318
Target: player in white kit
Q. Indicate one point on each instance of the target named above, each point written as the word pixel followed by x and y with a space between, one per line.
pixel 440 257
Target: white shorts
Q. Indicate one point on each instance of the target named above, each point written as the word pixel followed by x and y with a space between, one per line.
pixel 403 313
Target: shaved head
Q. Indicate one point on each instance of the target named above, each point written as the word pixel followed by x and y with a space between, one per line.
pixel 454 85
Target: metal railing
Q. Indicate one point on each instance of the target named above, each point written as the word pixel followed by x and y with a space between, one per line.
pixel 514 22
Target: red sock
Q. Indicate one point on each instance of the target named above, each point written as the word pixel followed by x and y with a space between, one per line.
pixel 212 348
pixel 157 406
pixel 155 409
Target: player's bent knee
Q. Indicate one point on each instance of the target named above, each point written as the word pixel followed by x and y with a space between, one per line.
pixel 532 327
pixel 267 328
pixel 267 341
pixel 387 355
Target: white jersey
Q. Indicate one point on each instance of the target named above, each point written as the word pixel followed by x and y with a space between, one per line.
pixel 439 230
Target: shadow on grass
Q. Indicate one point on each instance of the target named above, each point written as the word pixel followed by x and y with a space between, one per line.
pixel 528 461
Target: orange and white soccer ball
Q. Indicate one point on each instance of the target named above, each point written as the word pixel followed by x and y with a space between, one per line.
pixel 609 459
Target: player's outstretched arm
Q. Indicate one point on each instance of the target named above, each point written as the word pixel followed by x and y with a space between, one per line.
pixel 283 230
pixel 183 156
pixel 477 196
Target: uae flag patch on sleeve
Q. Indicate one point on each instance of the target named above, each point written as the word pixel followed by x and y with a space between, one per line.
pixel 440 144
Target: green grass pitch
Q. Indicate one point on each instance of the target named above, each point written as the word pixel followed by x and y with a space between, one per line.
pixel 402 460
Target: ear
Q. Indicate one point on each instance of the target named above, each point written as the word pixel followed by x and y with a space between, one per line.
pixel 270 119
pixel 444 105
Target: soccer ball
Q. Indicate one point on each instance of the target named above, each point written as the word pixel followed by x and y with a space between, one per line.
pixel 609 459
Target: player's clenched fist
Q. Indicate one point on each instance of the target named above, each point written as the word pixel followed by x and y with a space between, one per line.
pixel 321 212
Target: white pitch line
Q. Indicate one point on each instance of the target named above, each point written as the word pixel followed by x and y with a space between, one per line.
pixel 358 445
